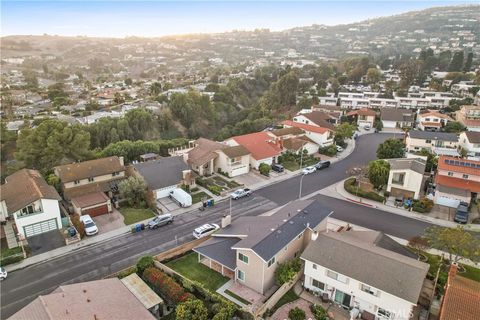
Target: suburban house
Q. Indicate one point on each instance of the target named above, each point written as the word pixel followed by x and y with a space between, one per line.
pixel 316 118
pixel 29 206
pixel 461 298
pixel 440 143
pixel 295 140
pixel 405 179
pixel 249 249
pixel 457 180
pixel 396 118
pixel 113 298
pixel 364 116
pixel 366 270
pixel 332 110
pixel 432 120
pixel 469 116
pixel 99 175
pixel 470 141
pixel 163 175
pixel 263 147
pixel 233 161
pixel 320 135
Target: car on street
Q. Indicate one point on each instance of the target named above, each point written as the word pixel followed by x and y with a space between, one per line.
pixel 205 230
pixel 309 170
pixel 461 214
pixel 90 226
pixel 367 127
pixel 277 167
pixel 240 193
pixel 339 149
pixel 322 164
pixel 3 273
pixel 160 220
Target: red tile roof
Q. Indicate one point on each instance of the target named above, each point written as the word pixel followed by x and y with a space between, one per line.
pixel 305 127
pixel 442 165
pixel 260 144
pixel 431 113
pixel 462 298
pixel 458 183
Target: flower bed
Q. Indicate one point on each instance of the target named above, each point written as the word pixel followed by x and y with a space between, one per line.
pixel 167 287
pixel 351 188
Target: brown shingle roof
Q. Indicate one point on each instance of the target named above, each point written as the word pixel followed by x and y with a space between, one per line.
pixel 236 151
pixel 204 151
pixel 90 199
pixel 103 186
pixel 87 169
pixel 24 187
pixel 473 136
pixel 287 131
pixel 462 298
pixel 319 118
pixel 397 115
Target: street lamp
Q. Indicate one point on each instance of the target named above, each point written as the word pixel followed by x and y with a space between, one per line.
pixel 300 191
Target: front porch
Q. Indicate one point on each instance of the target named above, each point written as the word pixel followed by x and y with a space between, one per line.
pixel 216 266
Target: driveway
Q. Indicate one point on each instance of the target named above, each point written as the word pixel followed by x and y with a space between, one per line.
pixel 166 204
pixel 109 221
pixel 46 241
pixel 249 179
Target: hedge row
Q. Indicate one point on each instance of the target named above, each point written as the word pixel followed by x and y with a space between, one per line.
pixel 11 259
pixel 349 185
pixel 167 287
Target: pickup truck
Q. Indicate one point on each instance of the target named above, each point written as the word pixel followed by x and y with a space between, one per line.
pixel 240 193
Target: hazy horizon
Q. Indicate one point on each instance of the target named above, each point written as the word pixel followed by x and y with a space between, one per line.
pixel 118 19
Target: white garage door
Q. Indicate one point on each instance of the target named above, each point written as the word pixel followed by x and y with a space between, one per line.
pixel 164 192
pixel 40 227
pixel 240 170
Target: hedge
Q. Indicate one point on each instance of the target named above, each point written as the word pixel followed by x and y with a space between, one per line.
pixel 11 259
pixel 350 187
pixel 167 287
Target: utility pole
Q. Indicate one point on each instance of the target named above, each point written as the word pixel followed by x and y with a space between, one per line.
pixel 300 191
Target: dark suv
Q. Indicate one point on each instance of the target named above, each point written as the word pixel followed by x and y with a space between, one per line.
pixel 322 164
pixel 461 215
pixel 277 167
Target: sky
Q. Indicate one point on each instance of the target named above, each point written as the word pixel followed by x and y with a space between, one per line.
pixel 160 18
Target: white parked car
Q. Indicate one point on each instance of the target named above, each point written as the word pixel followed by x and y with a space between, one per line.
pixel 367 127
pixel 339 149
pixel 3 273
pixel 205 230
pixel 90 226
pixel 240 193
pixel 309 170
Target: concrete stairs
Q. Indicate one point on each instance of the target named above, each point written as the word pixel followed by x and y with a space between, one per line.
pixel 10 235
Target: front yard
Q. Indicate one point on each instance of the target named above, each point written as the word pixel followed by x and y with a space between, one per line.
pixel 134 215
pixel 291 161
pixel 9 256
pixel 189 267
pixel 216 184
pixel 199 196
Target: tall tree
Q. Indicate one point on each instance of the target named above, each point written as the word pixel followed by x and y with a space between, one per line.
pixel 468 63
pixel 390 149
pixel 378 172
pixel 134 190
pixel 457 62
pixel 373 76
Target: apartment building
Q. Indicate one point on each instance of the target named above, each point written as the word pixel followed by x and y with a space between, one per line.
pixel 469 116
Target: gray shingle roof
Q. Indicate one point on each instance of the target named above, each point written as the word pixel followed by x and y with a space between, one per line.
pixel 370 260
pixel 396 115
pixel 163 172
pixel 429 135
pixel 415 164
pixel 220 250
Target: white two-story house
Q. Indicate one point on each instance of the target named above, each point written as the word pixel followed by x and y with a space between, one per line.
pixel 470 141
pixel 440 143
pixel 366 271
pixel 28 205
pixel 405 178
pixel 432 120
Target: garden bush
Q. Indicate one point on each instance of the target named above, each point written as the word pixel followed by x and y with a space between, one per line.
pixel 216 190
pixel 423 205
pixel 11 259
pixel 318 312
pixel 288 270
pixel 75 218
pixel 201 182
pixel 350 187
pixel 328 151
pixel 192 309
pixel 296 314
pixel 264 169
pixel 144 263
pixel 166 286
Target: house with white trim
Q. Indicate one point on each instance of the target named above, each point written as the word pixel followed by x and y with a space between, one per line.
pixel 432 120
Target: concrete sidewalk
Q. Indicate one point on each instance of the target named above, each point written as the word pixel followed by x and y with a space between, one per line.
pixel 338 191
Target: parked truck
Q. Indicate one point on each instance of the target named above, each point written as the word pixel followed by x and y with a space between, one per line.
pixel 182 198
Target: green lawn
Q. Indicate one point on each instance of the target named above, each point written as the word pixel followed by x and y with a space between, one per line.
pixel 230 293
pixel 197 197
pixel 189 267
pixel 133 215
pixel 289 296
pixel 10 252
pixel 291 165
pixel 471 273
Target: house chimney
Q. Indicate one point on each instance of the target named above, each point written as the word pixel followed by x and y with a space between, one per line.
pixel 314 235
pixel 226 220
pixel 121 161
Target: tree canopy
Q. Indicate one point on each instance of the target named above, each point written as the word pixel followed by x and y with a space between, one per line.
pixel 378 172
pixel 391 148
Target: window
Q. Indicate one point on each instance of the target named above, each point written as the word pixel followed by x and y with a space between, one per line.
pixel 318 284
pixel 115 174
pixel 91 179
pixel 465 176
pixel 384 313
pixel 450 174
pixel 428 141
pixel 314 266
pixel 398 178
pixel 368 289
pixel 242 257
pixel 336 276
pixel 241 275
pixel 76 182
pixel 271 261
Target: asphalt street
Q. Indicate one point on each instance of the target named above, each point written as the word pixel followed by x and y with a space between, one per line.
pixel 99 260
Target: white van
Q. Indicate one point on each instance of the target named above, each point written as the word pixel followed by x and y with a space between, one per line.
pixel 182 198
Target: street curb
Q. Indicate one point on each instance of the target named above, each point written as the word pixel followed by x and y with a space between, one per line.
pixel 362 203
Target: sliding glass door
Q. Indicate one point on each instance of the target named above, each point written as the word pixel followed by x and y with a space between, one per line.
pixel 342 298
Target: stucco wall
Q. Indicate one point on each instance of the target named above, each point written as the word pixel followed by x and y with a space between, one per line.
pixel 50 210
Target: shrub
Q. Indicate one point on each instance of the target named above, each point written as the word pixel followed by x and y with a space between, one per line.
pixel 144 263
pixel 423 205
pixel 192 309
pixel 287 271
pixel 9 260
pixel 296 314
pixel 126 272
pixel 350 187
pixel 328 151
pixel 201 182
pixel 216 190
pixel 264 169
pixel 318 312
pixel 166 286
pixel 75 218
pixel 194 189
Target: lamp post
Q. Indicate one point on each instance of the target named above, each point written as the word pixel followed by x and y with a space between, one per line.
pixel 230 211
pixel 300 190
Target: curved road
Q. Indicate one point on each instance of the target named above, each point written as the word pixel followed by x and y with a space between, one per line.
pixel 101 259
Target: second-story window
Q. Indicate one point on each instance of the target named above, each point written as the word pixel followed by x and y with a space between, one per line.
pixel 368 289
pixel 76 182
pixel 450 174
pixel 271 261
pixel 242 257
pixel 91 179
pixel 465 176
